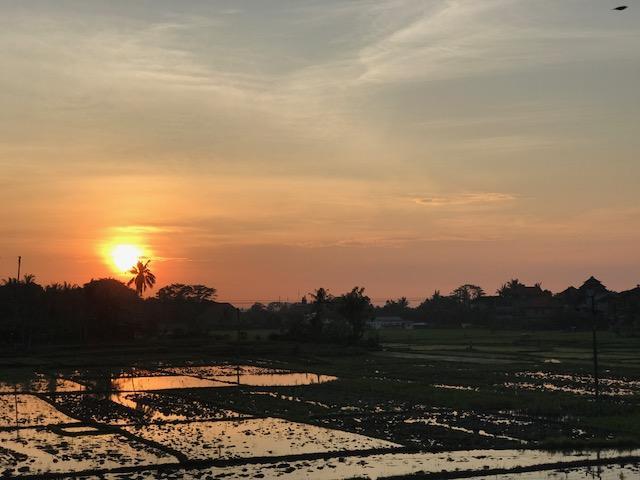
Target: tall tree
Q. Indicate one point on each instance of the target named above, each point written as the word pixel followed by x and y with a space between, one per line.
pixel 511 289
pixel 465 294
pixel 356 308
pixel 143 277
pixel 399 307
pixel 321 299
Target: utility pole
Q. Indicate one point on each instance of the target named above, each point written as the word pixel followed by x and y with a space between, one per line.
pixel 595 347
pixel 19 264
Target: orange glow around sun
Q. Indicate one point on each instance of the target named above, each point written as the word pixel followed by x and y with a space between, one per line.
pixel 125 256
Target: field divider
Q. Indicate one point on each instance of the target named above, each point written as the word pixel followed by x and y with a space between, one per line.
pixel 181 457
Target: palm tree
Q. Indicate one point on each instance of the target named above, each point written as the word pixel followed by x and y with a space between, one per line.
pixel 142 277
pixel 321 298
pixel 28 279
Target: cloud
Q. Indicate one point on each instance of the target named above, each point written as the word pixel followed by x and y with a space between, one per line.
pixel 144 229
pixel 515 143
pixel 486 198
pixel 464 38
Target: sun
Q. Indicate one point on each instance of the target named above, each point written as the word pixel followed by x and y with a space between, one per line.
pixel 125 256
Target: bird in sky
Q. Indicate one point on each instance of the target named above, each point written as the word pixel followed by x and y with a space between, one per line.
pixel 621 7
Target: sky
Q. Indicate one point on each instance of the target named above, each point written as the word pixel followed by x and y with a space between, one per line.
pixel 271 147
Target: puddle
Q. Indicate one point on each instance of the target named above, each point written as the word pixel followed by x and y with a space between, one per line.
pixel 254 438
pixel 137 384
pixel 435 423
pixel 549 387
pixel 253 376
pixel 574 384
pixel 28 410
pixel 291 398
pixel 457 387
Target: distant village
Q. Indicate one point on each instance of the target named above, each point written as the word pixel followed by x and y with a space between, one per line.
pixel 519 306
pixel 514 306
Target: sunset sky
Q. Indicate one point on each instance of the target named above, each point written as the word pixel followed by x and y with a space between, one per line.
pixel 270 147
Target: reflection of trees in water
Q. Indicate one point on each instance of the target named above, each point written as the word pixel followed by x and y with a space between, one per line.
pixel 101 385
pixel 15 398
pixel 144 412
pixel 105 388
pixel 52 384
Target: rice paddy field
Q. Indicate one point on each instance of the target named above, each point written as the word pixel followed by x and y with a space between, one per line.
pixel 426 404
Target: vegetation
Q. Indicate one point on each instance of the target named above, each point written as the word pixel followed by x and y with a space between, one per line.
pixel 106 310
pixel 142 278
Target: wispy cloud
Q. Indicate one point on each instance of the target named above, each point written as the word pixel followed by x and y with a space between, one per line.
pixel 462 38
pixel 144 229
pixel 477 199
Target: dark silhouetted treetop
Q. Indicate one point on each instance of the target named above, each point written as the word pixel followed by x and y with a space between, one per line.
pixel 465 294
pixel 143 278
pixel 321 296
pixel 105 290
pixel 180 292
pixel 356 308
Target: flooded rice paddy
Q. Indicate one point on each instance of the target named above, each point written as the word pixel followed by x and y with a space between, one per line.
pixel 573 384
pixel 41 384
pixel 247 421
pixel 39 451
pixel 263 437
pixel 428 465
pixel 252 375
pixel 168 382
pixel 23 410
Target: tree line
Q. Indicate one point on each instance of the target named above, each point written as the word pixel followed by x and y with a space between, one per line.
pixel 513 306
pixel 107 310
pixel 102 310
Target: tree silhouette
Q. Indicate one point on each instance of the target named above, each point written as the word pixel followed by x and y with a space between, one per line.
pixel 356 308
pixel 399 307
pixel 28 279
pixel 110 309
pixel 143 278
pixel 321 298
pixel 179 292
pixel 512 288
pixel 467 293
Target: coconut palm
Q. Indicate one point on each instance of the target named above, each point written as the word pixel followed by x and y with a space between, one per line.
pixel 143 278
pixel 321 300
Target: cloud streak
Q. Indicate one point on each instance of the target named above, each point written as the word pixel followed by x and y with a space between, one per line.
pixel 465 199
